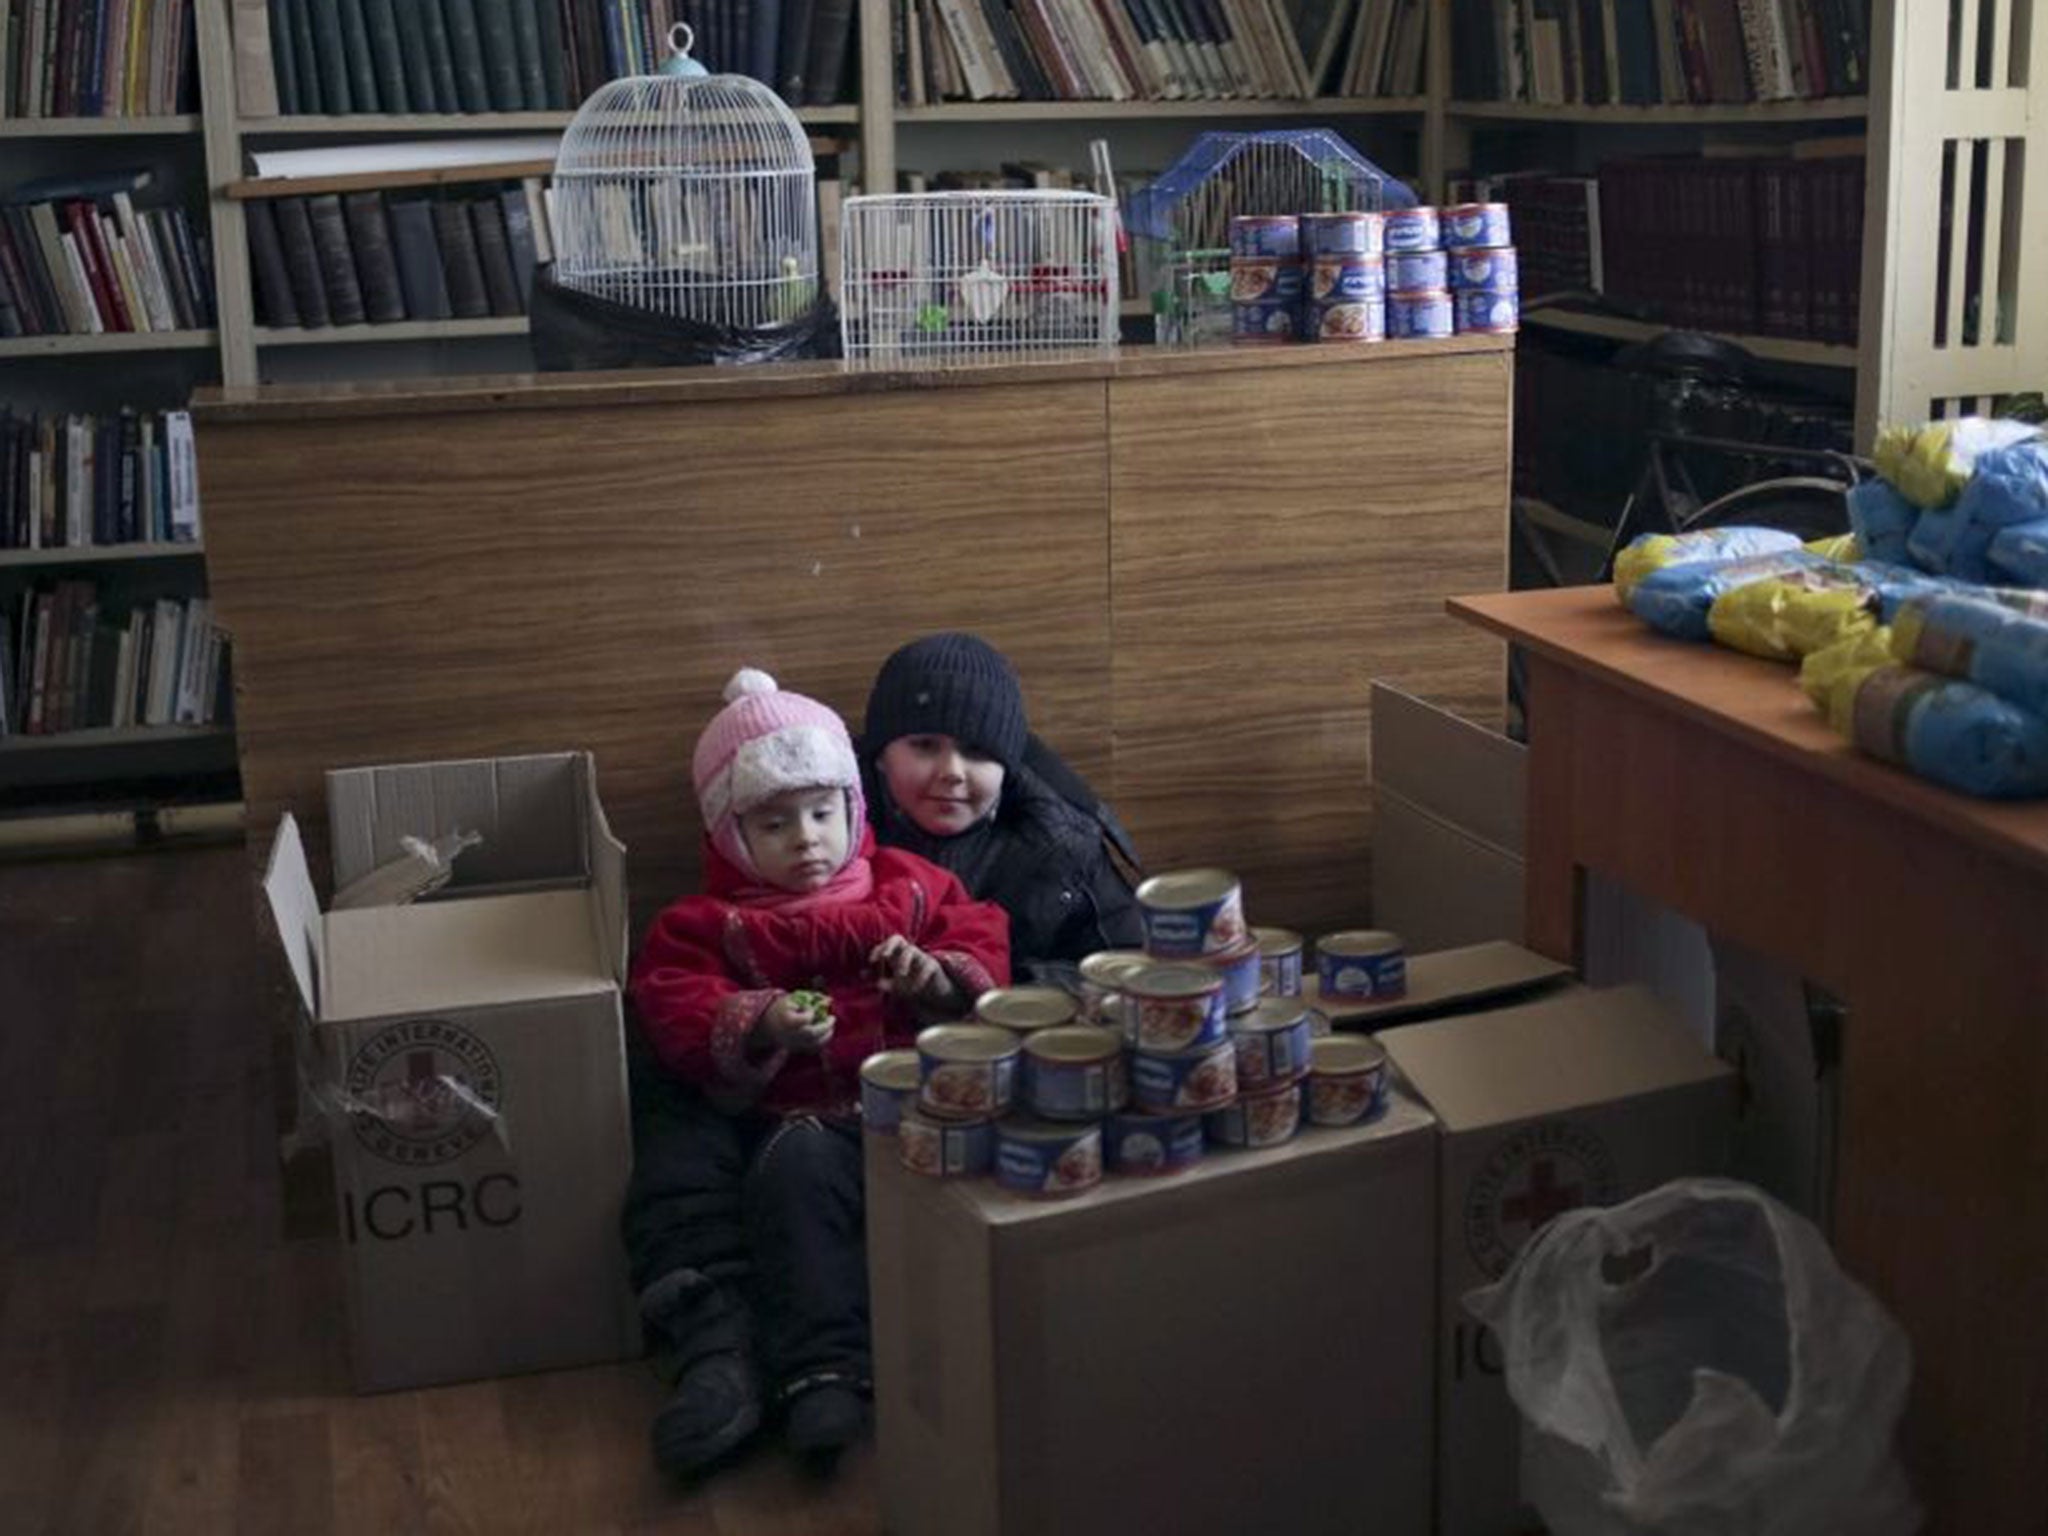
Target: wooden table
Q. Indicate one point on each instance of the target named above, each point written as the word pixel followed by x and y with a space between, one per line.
pixel 1704 780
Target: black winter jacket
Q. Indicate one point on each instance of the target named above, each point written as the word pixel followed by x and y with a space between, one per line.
pixel 1049 857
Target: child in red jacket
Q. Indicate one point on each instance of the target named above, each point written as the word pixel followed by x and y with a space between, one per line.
pixel 808 951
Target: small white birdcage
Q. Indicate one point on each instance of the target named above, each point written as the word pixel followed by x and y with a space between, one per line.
pixel 690 196
pixel 932 276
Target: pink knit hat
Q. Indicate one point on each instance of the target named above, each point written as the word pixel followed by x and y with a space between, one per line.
pixel 766 741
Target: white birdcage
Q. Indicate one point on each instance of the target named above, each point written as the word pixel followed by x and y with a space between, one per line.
pixel 690 196
pixel 932 276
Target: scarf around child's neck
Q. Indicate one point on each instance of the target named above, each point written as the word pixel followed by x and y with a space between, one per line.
pixel 852 881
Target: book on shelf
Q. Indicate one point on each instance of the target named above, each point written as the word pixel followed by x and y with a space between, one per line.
pixel 75 657
pixel 1152 50
pixel 347 57
pixel 1658 52
pixel 78 257
pixel 97 58
pixel 80 481
pixel 376 257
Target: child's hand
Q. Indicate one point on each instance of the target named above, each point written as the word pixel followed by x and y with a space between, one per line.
pixel 797 1021
pixel 908 972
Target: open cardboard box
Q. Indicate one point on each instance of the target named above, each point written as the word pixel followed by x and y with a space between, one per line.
pixel 468 1057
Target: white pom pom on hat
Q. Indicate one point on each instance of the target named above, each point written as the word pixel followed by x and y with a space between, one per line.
pixel 749 680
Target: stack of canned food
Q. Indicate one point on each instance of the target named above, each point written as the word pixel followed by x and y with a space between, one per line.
pixel 1265 278
pixel 1201 1037
pixel 1316 277
pixel 1451 270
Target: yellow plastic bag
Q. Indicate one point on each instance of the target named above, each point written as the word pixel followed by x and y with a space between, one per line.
pixel 1831 675
pixel 1651 552
pixel 1790 616
pixel 1930 465
pixel 1842 547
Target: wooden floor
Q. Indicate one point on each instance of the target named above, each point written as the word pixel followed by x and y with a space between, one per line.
pixel 168 1363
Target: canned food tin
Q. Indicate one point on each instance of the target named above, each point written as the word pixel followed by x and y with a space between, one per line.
pixel 1254 279
pixel 968 1071
pixel 1417 271
pixel 1265 322
pixel 1412 229
pixel 1173 1007
pixel 1362 963
pixel 1272 1044
pixel 1239 968
pixel 1202 1078
pixel 1424 315
pixel 1347 1080
pixel 1102 977
pixel 1191 912
pixel 945 1149
pixel 888 1087
pixel 1257 1119
pixel 1341 234
pixel 1495 271
pixel 1334 279
pixel 1476 224
pixel 1488 314
pixel 1039 1157
pixel 1025 1009
pixel 1279 962
pixel 1139 1143
pixel 1265 234
pixel 1348 320
pixel 1075 1073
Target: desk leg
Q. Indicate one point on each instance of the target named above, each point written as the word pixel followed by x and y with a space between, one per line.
pixel 1553 891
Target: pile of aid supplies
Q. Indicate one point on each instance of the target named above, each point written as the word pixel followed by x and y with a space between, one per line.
pixel 1922 634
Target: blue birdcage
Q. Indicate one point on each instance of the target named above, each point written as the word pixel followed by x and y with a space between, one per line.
pixel 1180 223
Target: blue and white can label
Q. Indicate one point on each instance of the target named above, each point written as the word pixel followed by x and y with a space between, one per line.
pixel 1417 271
pixel 1493 271
pixel 1411 229
pixel 1483 313
pixel 1033 1158
pixel 1347 320
pixel 1262 323
pixel 1202 1078
pixel 1426 315
pixel 1265 234
pixel 1136 1143
pixel 1341 234
pixel 1338 279
pixel 941 1150
pixel 1466 225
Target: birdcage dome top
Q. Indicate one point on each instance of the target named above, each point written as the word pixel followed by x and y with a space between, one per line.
pixel 684 126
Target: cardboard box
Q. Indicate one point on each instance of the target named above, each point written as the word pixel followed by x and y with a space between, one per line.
pixel 1243 1347
pixel 1447 981
pixel 468 1054
pixel 1448 803
pixel 1581 1097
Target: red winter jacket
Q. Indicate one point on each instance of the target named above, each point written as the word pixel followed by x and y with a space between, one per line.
pixel 710 967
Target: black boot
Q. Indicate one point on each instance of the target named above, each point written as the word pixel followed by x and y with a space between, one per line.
pixel 823 1421
pixel 714 1410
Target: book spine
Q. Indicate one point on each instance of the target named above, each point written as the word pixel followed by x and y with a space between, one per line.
pixel 500 54
pixel 440 61
pixel 284 59
pixel 362 70
pixel 554 55
pixel 420 279
pixel 376 267
pixel 331 55
pixel 337 266
pixel 380 24
pixel 415 60
pixel 256 73
pixel 501 285
pixel 460 264
pixel 466 49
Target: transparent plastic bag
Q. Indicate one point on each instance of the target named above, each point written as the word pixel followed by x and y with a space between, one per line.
pixel 1693 1363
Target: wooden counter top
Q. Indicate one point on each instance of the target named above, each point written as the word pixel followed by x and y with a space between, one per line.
pixel 651 386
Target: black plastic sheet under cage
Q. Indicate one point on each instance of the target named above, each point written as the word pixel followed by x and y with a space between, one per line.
pixel 579 333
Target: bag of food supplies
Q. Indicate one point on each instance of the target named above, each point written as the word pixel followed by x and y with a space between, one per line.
pixel 2020 553
pixel 2008 487
pixel 1883 520
pixel 1677 599
pixel 1929 465
pixel 1980 641
pixel 1955 733
pixel 1783 618
pixel 1653 551
pixel 1831 675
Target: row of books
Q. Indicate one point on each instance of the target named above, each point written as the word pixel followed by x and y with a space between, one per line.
pixel 97 58
pixel 1105 50
pixel 393 56
pixel 70 662
pixel 377 257
pixel 1750 245
pixel 78 258
pixel 77 481
pixel 1658 52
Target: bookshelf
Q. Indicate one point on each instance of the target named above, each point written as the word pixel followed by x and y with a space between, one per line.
pixel 1779 349
pixel 98 127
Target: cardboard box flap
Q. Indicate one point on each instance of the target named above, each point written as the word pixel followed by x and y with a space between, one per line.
pixel 1549 1056
pixel 607 881
pixel 1459 773
pixel 529 811
pixel 289 886
pixel 487 950
pixel 1444 980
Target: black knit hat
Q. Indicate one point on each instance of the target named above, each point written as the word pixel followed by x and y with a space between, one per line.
pixel 948 685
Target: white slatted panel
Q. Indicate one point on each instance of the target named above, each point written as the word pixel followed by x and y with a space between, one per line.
pixel 1929 346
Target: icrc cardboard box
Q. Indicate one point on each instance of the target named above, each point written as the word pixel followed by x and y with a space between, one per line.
pixel 1581 1097
pixel 468 1055
pixel 1244 1347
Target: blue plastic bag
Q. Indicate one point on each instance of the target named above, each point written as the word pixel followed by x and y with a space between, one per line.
pixel 1882 519
pixel 1678 599
pixel 1977 639
pixel 1955 733
pixel 2020 553
pixel 2008 487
